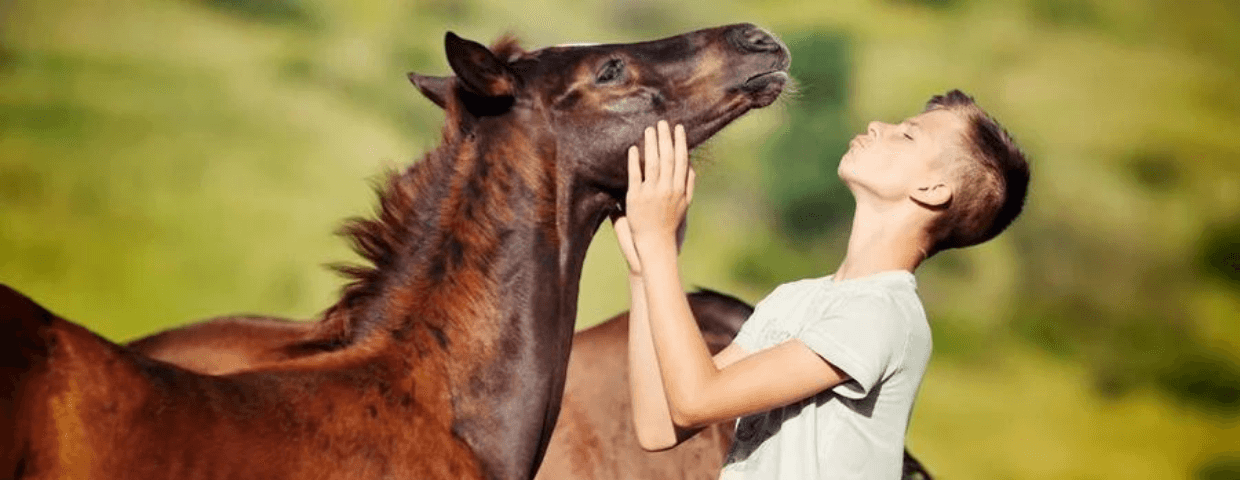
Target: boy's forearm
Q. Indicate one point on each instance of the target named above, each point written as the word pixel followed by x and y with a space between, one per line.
pixel 651 416
pixel 683 357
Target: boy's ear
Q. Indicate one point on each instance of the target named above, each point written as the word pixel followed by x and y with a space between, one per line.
pixel 435 89
pixel 934 195
pixel 477 69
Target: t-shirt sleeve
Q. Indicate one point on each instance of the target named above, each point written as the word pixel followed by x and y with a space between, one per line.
pixel 747 336
pixel 860 335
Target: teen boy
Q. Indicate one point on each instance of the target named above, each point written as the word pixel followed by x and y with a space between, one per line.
pixel 824 374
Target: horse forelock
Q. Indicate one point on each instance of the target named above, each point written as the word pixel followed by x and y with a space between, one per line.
pixel 507 47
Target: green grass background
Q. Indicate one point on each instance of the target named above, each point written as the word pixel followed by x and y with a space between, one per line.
pixel 166 161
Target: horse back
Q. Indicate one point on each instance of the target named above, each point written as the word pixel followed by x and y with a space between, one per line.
pixel 74 402
pixel 23 349
pixel 228 344
pixel 75 405
pixel 49 369
pixel 719 316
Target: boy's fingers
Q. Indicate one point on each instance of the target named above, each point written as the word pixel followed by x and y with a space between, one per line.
pixel 681 161
pixel 635 169
pixel 667 161
pixel 652 156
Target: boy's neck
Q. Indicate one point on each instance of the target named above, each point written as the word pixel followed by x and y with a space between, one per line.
pixel 882 239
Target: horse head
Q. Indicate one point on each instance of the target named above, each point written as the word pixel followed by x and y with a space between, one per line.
pixel 589 103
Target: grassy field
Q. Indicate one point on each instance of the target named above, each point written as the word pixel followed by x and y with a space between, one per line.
pixel 166 161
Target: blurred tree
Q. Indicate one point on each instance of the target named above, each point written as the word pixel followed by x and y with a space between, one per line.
pixel 1225 467
pixel 799 175
pixel 1065 12
pixel 1219 255
pixel 798 171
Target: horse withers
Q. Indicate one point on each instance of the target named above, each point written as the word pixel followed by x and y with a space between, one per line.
pixel 446 355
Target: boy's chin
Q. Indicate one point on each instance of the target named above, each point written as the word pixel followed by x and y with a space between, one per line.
pixel 854 188
pixel 847 174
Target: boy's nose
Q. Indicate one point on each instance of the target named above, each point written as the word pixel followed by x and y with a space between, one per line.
pixel 874 128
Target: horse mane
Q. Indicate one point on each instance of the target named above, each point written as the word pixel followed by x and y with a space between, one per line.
pixel 380 240
pixel 400 221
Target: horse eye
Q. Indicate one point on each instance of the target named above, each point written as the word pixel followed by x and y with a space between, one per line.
pixel 611 71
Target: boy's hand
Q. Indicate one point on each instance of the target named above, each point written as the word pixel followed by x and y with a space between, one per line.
pixel 624 237
pixel 659 196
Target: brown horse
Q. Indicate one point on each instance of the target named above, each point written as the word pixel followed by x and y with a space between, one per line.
pixel 446 357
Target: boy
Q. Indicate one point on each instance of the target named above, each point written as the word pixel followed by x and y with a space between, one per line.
pixel 824 374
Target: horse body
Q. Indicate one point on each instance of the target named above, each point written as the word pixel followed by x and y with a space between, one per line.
pixel 595 437
pixel 92 409
pixel 446 357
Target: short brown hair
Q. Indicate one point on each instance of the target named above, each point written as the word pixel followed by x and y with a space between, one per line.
pixel 993 179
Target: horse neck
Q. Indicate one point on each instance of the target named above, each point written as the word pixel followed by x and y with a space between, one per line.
pixel 480 248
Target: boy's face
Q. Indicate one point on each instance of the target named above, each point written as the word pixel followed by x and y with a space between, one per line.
pixel 889 163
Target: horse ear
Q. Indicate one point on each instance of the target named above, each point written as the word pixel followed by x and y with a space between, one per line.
pixel 478 70
pixel 436 89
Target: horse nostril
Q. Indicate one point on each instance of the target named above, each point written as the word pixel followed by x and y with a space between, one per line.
pixel 755 39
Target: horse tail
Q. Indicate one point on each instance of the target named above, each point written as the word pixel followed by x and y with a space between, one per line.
pixel 718 315
pixel 25 346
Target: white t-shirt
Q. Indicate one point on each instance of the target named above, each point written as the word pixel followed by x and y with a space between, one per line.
pixel 875 330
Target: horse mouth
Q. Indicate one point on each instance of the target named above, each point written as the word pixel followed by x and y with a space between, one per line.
pixel 771 76
pixel 764 88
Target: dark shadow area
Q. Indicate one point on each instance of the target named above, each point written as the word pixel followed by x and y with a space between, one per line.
pixel 1066 13
pixel 1155 170
pixel 1226 467
pixel 1207 380
pixel 1219 255
pixel 935 4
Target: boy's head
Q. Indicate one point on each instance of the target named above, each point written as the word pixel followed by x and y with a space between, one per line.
pixel 953 159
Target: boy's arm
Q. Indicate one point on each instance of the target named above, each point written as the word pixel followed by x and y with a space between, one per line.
pixel 700 390
pixel 699 393
pixel 652 418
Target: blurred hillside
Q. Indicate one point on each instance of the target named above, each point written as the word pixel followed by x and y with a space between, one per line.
pixel 167 161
